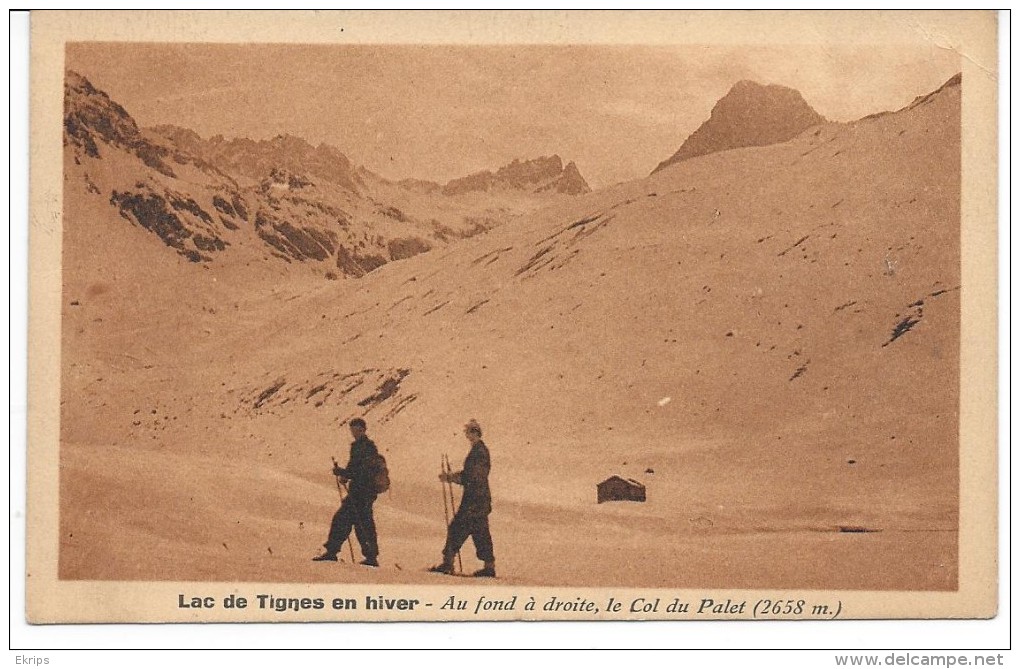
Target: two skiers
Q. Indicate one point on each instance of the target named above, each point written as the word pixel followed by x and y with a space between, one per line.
pixel 470 520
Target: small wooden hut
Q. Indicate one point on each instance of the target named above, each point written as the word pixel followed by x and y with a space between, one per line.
pixel 619 489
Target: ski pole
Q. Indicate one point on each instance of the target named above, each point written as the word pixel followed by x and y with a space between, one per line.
pixel 342 489
pixel 453 505
pixel 446 506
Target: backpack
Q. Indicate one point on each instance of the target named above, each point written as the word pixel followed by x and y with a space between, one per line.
pixel 379 474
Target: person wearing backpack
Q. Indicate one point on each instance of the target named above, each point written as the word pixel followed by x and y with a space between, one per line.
pixel 365 471
pixel 472 517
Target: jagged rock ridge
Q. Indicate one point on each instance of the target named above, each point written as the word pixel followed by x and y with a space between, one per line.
pixel 255 160
pixel 538 175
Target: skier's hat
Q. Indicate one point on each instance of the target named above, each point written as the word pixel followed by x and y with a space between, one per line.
pixel 473 426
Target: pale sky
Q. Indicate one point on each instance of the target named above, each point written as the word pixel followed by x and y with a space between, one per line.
pixel 440 112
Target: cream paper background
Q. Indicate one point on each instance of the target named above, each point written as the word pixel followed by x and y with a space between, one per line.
pixel 971 34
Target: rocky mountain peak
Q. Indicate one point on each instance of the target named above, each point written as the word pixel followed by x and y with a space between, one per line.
pixel 87 109
pixel 91 119
pixel 750 114
pixel 569 181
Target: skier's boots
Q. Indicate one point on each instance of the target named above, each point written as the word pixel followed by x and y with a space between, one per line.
pixel 488 571
pixel 443 568
pixel 325 557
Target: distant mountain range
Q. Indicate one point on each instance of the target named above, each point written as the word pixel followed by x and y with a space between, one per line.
pixel 282 198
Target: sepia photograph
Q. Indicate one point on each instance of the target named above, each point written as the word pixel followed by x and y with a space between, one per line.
pixel 406 329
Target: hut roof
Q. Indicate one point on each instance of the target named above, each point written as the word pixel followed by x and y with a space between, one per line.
pixel 623 480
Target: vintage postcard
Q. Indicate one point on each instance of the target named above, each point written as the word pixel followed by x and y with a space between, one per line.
pixel 395 316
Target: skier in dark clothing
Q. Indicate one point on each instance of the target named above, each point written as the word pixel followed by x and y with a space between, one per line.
pixel 472 517
pixel 356 510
